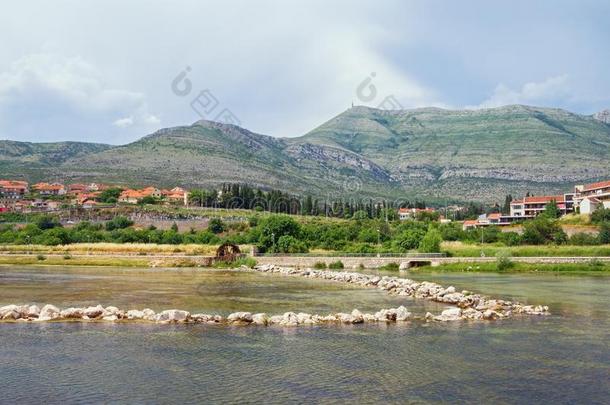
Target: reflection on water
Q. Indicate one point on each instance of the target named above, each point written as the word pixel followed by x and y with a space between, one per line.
pixel 564 358
pixel 195 290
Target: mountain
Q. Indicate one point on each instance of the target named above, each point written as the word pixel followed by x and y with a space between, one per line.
pixel 428 153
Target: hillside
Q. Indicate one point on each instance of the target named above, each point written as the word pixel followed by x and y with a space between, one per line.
pixel 428 153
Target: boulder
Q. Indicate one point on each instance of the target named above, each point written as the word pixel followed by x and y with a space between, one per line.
pixel 148 314
pixel 94 312
pixel 10 312
pixel 289 319
pixel 260 319
pixel 173 315
pixel 33 311
pixel 110 318
pixel 49 312
pixel 402 314
pixel 304 318
pixel 451 314
pixel 245 317
pixel 357 316
pixel 72 313
pixel 135 314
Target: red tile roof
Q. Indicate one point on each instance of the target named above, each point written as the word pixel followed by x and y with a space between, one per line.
pixel 595 186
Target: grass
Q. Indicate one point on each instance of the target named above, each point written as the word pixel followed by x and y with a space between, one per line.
pixel 517 267
pixel 459 249
pixel 80 261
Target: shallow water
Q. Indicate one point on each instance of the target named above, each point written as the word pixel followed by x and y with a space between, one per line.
pixel 563 358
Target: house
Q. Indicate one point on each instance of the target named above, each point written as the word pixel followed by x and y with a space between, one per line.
pixel 12 189
pixel 176 195
pixel 589 197
pixel 410 213
pixel 530 207
pixel 46 189
pixel 88 204
pixel 495 218
pixel 130 196
pixel 589 204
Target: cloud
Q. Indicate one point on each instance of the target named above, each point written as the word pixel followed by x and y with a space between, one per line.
pixel 123 122
pixel 548 92
pixel 45 89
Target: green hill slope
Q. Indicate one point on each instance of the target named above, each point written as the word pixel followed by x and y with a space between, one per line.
pixel 427 153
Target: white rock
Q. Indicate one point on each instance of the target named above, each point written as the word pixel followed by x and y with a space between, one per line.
pixel 33 311
pixel 240 317
pixel 135 314
pixel 49 312
pixel 94 312
pixel 451 314
pixel 402 314
pixel 260 319
pixel 72 313
pixel 173 315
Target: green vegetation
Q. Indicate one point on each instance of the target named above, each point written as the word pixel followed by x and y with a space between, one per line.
pixel 390 267
pixel 336 265
pixel 517 267
pixel 319 265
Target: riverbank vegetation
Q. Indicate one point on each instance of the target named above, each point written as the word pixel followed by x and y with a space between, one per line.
pixel 283 234
pixel 500 266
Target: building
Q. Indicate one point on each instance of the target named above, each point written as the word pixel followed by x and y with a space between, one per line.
pixel 12 189
pixel 130 196
pixel 589 197
pixel 530 207
pixel 411 213
pixel 483 220
pixel 46 189
pixel 176 195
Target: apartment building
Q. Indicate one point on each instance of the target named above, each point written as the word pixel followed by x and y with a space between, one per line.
pixel 592 196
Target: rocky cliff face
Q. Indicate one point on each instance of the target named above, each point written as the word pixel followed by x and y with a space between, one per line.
pixel 603 116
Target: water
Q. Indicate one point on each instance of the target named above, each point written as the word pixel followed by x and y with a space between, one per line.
pixel 563 358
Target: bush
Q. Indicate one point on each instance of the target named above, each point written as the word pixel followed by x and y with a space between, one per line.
pixel 503 261
pixel 119 222
pixel 604 233
pixel 510 238
pixel 409 239
pixel 600 215
pixel 431 243
pixel 390 267
pixel 290 244
pixel 41 257
pixel 45 222
pixel 216 226
pixel 584 239
pixel 336 265
pixel 319 265
pixel 67 256
pixel 273 227
pixel 542 231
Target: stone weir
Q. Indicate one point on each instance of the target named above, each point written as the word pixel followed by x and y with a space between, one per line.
pixel 463 306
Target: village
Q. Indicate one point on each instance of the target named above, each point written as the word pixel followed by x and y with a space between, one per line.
pixel 20 197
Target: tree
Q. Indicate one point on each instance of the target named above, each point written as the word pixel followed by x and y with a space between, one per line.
pixel 290 244
pixel 604 233
pixel 507 200
pixel 409 239
pixel 543 230
pixel 273 227
pixel 431 242
pixel 600 215
pixel 216 225
pixel 551 210
pixel 110 195
pixel 119 222
pixel 47 222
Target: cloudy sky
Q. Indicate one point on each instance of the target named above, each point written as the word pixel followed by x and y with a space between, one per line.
pixel 110 71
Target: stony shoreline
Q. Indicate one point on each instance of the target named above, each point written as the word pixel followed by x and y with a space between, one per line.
pixel 464 306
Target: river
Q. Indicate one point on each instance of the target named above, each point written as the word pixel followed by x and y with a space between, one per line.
pixel 562 358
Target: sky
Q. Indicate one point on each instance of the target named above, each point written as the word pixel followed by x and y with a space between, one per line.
pixel 114 71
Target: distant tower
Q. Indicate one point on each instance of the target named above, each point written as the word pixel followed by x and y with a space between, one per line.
pixel 352 104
